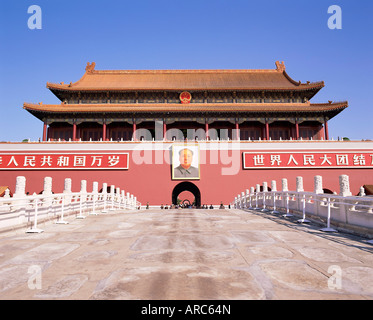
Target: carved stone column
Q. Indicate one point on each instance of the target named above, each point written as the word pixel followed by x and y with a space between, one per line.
pixel 112 188
pixel 344 186
pixel 104 196
pixel 299 184
pixel 273 185
pixel 318 190
pixel 20 193
pixel 83 190
pixel 344 191
pixel 47 191
pixel 265 187
pixel 67 189
pixel 299 188
pixel 117 193
pixel 284 182
pixel 20 187
pixel 95 190
pixel 318 185
pixel 243 200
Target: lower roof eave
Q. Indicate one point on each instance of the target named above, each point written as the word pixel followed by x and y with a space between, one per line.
pixel 43 115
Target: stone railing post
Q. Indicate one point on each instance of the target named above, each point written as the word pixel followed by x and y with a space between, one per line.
pixel 67 190
pixel 83 190
pixel 47 185
pixel 344 186
pixel 257 197
pixel 82 198
pixel 284 184
pixel 117 194
pixel 318 185
pixel 273 185
pixel 20 187
pixel 94 197
pixel 265 193
pixel 123 199
pixel 273 189
pixel 132 202
pixel 128 200
pixel 299 184
pixel 247 196
pixel 104 189
pixel 265 187
pixel 344 191
pixel 104 196
pixel 257 187
pixel 20 192
pixel 47 191
pixel 251 203
pixel 318 190
pixel 112 189
pixel 299 188
pixel 95 190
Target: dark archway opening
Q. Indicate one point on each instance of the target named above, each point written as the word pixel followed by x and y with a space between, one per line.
pixel 186 203
pixel 186 186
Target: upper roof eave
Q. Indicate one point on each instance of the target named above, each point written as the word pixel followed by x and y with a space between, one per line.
pixel 191 80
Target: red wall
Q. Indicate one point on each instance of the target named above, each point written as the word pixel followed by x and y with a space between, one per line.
pixel 152 182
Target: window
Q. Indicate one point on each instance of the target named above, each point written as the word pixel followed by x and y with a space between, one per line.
pixel 307 133
pixel 252 134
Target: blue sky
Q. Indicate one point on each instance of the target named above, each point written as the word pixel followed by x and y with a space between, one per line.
pixel 186 34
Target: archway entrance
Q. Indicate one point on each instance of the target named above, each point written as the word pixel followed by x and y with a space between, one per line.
pixel 186 203
pixel 186 198
pixel 186 186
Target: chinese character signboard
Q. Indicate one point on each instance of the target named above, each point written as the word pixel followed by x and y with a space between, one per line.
pixel 66 161
pixel 303 160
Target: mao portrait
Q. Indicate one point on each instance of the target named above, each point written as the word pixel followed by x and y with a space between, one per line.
pixel 185 162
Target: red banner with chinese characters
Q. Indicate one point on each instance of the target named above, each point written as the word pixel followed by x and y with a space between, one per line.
pixel 303 160
pixel 63 161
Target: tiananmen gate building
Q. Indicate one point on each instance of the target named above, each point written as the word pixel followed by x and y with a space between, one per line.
pixel 161 133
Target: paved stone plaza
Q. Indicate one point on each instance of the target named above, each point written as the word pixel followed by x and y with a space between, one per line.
pixel 184 254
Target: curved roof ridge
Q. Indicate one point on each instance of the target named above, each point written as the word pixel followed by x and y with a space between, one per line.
pixel 178 71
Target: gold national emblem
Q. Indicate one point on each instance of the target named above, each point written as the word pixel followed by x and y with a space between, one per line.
pixel 185 97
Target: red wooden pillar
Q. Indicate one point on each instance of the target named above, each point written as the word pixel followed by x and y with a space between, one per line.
pixel 134 131
pixel 45 131
pixel 237 131
pixel 164 131
pixel 104 131
pixel 267 130
pixel 321 133
pixel 74 131
pixel 207 130
pixel 296 130
pixel 326 129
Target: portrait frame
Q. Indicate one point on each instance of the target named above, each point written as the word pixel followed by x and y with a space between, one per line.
pixel 195 164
